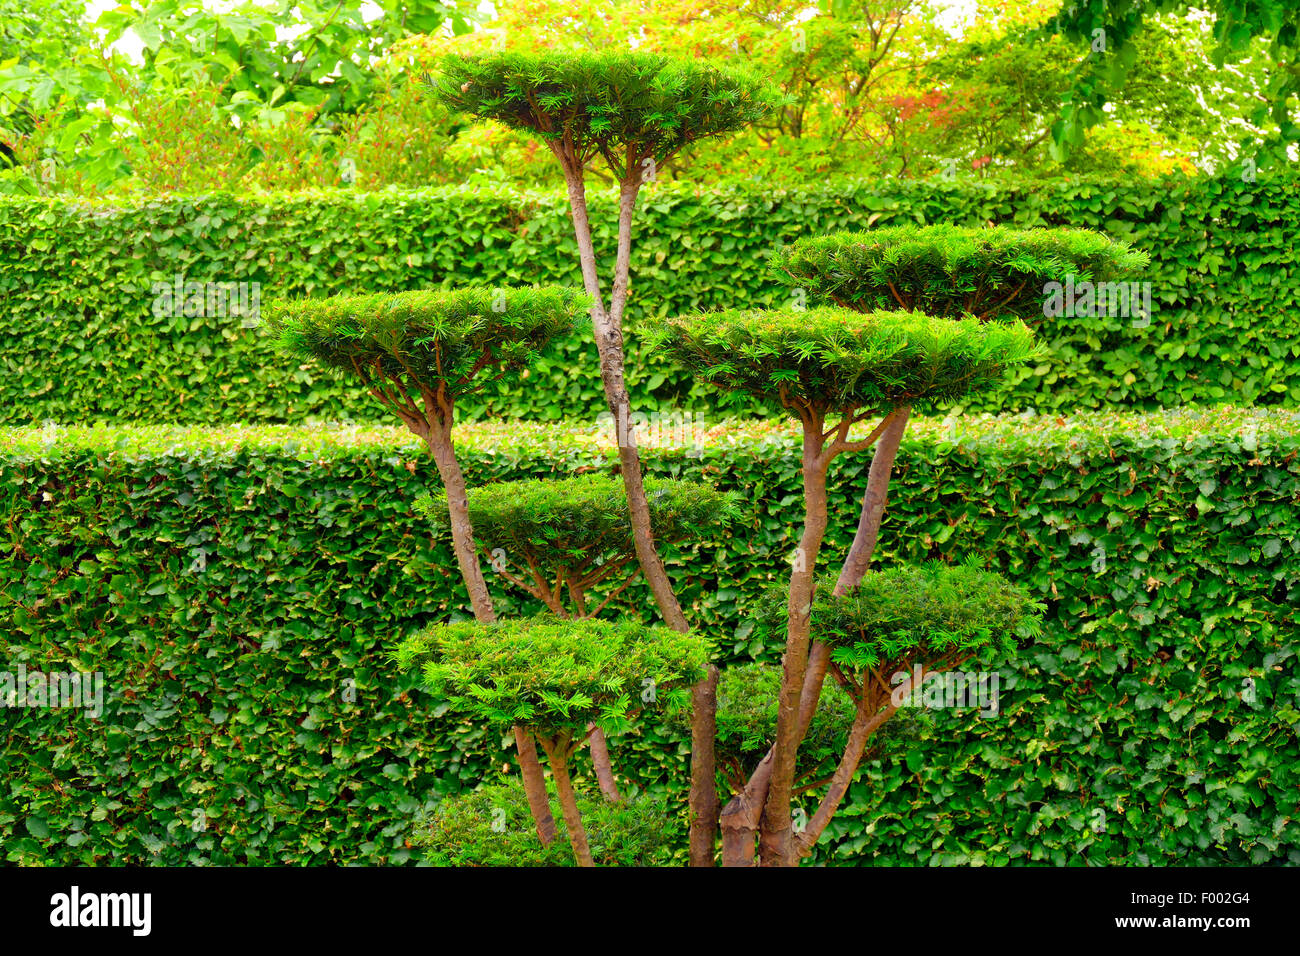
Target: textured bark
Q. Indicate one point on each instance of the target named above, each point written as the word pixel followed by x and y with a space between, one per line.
pixel 869 716
pixel 777 827
pixel 704 788
pixel 462 532
pixel 600 761
pixel 873 502
pixel 557 753
pixel 530 770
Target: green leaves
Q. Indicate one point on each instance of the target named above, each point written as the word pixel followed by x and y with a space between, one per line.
pixel 286 631
pixel 624 107
pixel 552 675
pixel 835 359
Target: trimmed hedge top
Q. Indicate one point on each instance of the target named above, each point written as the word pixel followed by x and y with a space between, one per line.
pixel 427 338
pixel 565 522
pixel 836 359
pixel 606 104
pixel 923 612
pixel 584 444
pixel 991 272
pixel 554 675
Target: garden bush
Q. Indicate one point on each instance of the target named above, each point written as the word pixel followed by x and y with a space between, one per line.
pixel 241 589
pixel 91 335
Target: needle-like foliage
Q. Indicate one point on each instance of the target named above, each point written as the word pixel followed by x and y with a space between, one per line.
pixel 491 826
pixel 574 522
pixel 624 107
pixel 835 359
pixel 992 272
pixel 924 612
pixel 437 341
pixel 553 675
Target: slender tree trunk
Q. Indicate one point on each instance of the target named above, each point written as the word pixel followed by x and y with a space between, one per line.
pixel 777 826
pixel 530 770
pixel 873 502
pixel 462 531
pixel 608 330
pixel 595 736
pixel 557 752
pixel 704 786
pixel 601 763
pixel 869 716
pixel 462 536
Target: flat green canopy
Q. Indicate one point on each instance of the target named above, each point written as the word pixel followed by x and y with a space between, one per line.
pixel 427 339
pixel 836 359
pixel 565 522
pixel 555 675
pixel 607 104
pixel 992 272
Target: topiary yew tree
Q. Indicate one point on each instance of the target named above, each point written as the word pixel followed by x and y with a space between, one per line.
pixel 994 273
pixel 569 536
pixel 633 112
pixel 417 353
pixel 831 369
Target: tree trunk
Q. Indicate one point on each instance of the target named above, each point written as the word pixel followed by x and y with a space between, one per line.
pixel 530 770
pixel 601 763
pixel 704 786
pixel 775 835
pixel 608 332
pixel 557 752
pixel 873 502
pixel 462 536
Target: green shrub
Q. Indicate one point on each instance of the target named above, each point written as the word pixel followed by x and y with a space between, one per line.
pixel 616 105
pixel 429 339
pixel 84 342
pixel 571 522
pixel 240 590
pixel 491 826
pixel 924 611
pixel 550 675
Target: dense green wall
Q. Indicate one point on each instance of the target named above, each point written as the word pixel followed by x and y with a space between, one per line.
pixel 230 583
pixel 83 342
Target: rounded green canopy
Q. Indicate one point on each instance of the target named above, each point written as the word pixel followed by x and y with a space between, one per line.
pixel 992 272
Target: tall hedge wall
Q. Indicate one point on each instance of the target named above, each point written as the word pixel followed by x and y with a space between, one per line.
pixel 84 341
pixel 240 589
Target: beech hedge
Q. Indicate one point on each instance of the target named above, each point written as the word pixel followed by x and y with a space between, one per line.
pixel 100 324
pixel 241 591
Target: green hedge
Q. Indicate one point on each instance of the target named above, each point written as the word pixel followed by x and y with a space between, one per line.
pixel 82 342
pixel 231 583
